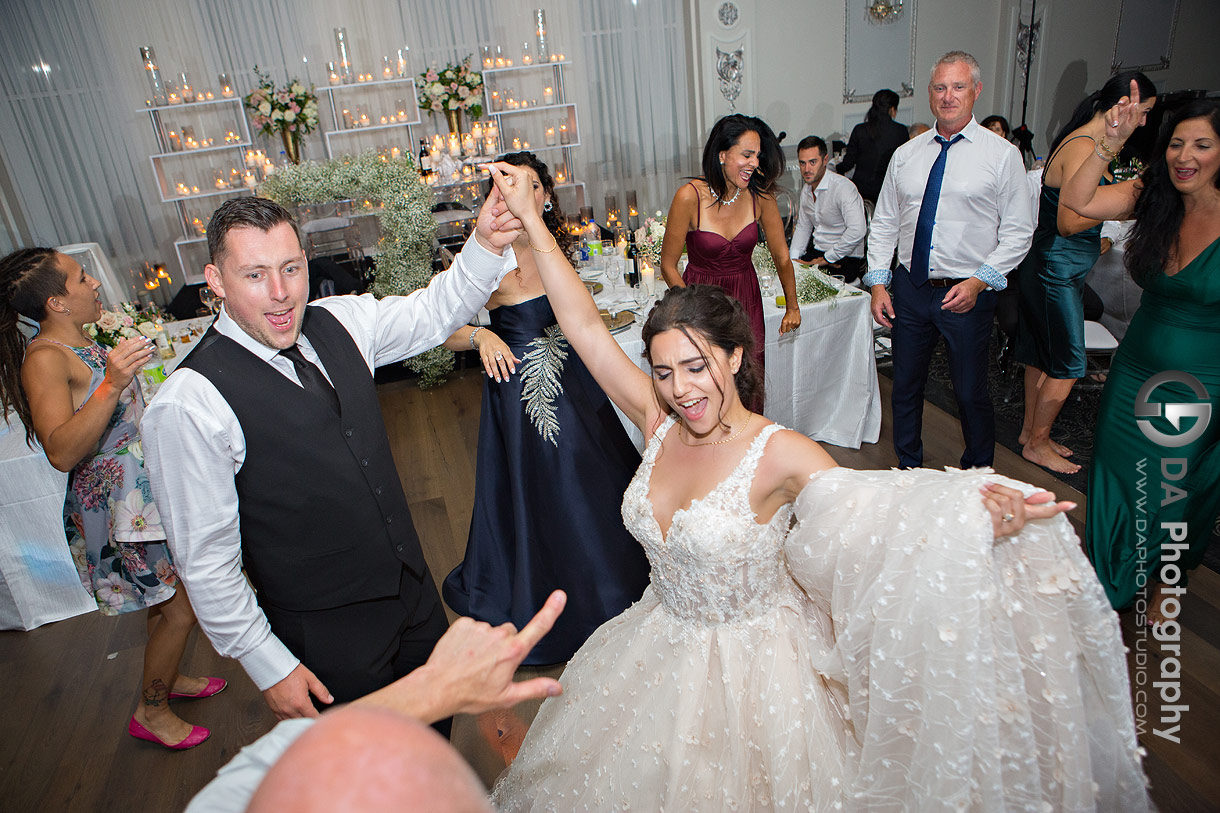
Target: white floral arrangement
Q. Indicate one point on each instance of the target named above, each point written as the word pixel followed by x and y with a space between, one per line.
pixel 648 238
pixel 404 258
pixel 811 284
pixel 291 109
pixel 112 327
pixel 453 87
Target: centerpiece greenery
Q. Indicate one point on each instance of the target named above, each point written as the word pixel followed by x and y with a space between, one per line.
pixel 451 90
pixel 403 203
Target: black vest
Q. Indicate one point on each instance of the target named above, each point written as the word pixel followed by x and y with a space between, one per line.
pixel 324 521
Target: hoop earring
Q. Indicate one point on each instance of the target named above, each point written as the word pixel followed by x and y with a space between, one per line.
pixel 548 206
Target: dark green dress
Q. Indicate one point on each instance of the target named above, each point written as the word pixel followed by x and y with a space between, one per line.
pixel 1051 291
pixel 1177 328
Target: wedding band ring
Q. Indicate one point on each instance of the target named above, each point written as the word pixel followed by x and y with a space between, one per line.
pixel 1006 518
pixel 499 355
pixel 1114 124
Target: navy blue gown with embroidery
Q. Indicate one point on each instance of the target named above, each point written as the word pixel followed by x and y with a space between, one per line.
pixel 553 464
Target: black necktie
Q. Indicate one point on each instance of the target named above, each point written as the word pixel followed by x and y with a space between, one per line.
pixel 311 377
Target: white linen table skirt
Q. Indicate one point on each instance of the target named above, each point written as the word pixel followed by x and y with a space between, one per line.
pixel 38 581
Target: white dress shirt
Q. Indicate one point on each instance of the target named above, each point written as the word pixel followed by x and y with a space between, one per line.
pixel 194 447
pixel 984 220
pixel 834 215
pixel 235 783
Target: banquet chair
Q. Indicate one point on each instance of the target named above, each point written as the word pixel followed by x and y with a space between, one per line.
pixel 1099 348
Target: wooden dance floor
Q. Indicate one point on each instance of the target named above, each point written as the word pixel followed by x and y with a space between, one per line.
pixel 70 687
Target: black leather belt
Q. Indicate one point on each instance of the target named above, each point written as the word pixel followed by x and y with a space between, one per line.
pixel 947 282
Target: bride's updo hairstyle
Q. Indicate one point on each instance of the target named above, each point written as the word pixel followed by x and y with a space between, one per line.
pixel 708 311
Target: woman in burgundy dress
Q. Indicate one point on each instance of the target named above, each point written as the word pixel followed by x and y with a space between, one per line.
pixel 721 216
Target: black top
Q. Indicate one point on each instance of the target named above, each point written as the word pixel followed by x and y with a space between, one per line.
pixel 324 522
pixel 870 156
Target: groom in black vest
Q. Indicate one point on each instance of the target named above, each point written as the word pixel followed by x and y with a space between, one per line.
pixel 267 451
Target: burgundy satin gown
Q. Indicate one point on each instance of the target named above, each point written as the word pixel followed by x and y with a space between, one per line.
pixel 713 260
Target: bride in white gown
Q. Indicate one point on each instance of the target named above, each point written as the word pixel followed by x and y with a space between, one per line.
pixel 931 660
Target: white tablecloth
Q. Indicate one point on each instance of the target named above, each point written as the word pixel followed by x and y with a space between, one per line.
pixel 821 379
pixel 38 581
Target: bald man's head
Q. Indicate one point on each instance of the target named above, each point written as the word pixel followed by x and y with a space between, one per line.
pixel 370 759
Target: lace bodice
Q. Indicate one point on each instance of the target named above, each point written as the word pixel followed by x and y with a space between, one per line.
pixel 717 564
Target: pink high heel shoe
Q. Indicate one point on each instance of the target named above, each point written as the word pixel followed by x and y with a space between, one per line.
pixel 215 686
pixel 198 735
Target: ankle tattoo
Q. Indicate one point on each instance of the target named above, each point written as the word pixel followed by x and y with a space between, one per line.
pixel 156 694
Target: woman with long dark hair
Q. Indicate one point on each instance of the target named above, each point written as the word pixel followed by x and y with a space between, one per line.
pixel 1154 481
pixel 547 436
pixel 84 405
pixel 1050 333
pixel 742 161
pixel 873 143
pixel 870 658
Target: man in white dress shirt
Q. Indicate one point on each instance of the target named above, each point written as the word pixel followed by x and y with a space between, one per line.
pixel 266 451
pixel 955 204
pixel 832 212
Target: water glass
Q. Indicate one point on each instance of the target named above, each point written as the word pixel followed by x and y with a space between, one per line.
pixel 208 297
pixel 767 281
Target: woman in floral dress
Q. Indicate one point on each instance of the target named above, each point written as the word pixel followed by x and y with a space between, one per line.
pixel 84 405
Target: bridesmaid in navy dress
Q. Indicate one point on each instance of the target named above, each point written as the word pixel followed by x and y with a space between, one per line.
pixel 741 161
pixel 553 464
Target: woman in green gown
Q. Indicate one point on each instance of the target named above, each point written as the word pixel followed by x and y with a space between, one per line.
pixel 1050 340
pixel 1154 484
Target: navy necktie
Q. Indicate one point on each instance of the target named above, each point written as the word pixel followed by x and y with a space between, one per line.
pixel 311 377
pixel 921 249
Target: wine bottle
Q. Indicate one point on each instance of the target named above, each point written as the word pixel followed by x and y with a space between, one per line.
pixel 425 160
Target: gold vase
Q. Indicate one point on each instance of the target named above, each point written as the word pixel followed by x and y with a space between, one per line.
pixel 292 145
pixel 454 119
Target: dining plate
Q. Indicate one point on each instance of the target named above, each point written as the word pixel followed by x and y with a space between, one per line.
pixel 595 288
pixel 619 322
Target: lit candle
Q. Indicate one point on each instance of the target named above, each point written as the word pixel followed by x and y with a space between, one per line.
pixel 348 121
pixel 332 75
pixel 249 180
pixel 487 60
pixel 516 144
pixel 175 142
pixel 385 120
pixel 395 152
pixel 210 96
pixel 489 145
pixel 525 145
pixel 466 170
pixel 455 145
pixel 560 177
pixel 468 143
pixel 647 275
pixel 492 131
pixel 476 131
pixel 188 93
pixel 387 69
pixel 194 190
pixel 497 104
pixel 438 143
pixel 550 136
pixel 554 57
pixel 564 136
pixel 548 95
pixel 268 169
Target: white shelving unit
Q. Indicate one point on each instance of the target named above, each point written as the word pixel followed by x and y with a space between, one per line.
pixel 345 135
pixel 192 169
pixel 543 111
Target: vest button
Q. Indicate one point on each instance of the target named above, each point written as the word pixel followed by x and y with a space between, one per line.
pixel 389 520
pixel 398 548
pixel 348 432
pixel 377 491
pixel 364 462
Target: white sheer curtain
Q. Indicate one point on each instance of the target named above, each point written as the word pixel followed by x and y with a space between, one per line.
pixel 76 143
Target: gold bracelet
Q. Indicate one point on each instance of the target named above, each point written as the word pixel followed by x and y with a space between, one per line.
pixel 539 250
pixel 1104 151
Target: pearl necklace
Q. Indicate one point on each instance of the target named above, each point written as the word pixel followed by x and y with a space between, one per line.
pixel 717 199
pixel 716 442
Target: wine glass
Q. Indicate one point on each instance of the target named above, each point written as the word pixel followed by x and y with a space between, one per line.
pixel 208 297
pixel 767 281
pixel 839 282
pixel 614 272
pixel 642 297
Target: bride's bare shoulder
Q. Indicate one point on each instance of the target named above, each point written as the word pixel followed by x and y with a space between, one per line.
pixel 792 458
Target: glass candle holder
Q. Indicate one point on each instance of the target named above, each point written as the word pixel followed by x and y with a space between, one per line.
pixel 346 74
pixel 526 57
pixel 226 86
pixel 171 92
pixel 404 62
pixel 387 68
pixel 544 53
pixel 156 87
pixel 332 75
pixel 488 61
pixel 185 88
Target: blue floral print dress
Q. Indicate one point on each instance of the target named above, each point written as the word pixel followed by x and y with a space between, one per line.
pixel 113 526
